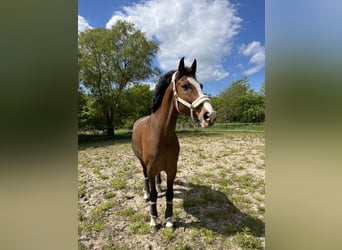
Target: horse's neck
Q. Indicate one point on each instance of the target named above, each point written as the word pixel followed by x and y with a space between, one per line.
pixel 165 117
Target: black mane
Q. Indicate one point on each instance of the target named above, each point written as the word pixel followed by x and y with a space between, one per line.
pixel 160 89
pixel 162 85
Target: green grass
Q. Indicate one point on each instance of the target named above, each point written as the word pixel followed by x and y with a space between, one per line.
pixel 208 234
pixel 219 205
pixel 81 192
pixel 137 221
pixel 125 134
pixel 215 214
pixel 98 225
pixel 126 212
pixel 253 225
pixel 168 234
pixel 118 183
pixel 243 181
pixel 99 211
pixel 223 127
pixel 246 241
pixel 97 220
pixel 109 195
pixel 138 224
pixel 204 234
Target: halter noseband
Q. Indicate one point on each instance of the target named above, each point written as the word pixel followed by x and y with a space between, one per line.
pixel 202 98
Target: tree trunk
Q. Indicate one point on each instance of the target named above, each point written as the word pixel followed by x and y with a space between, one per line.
pixel 110 125
pixel 110 131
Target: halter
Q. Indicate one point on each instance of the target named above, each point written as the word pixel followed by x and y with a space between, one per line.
pixel 202 98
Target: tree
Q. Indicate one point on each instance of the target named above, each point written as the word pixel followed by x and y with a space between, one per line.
pixel 109 60
pixel 138 103
pixel 239 103
pixel 230 100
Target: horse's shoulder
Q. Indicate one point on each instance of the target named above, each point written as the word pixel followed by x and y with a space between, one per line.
pixel 140 121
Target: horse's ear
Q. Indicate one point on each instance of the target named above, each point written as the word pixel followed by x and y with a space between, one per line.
pixel 193 67
pixel 181 65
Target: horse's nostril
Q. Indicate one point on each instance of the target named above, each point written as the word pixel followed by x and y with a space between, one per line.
pixel 206 116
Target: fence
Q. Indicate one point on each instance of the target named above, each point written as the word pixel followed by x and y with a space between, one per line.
pixel 190 126
pixel 251 127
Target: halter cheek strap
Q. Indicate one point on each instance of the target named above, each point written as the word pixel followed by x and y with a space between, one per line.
pixel 202 98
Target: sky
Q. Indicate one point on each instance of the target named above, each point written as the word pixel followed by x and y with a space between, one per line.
pixel 227 38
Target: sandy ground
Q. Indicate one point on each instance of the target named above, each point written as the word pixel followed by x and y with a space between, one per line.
pixel 218 204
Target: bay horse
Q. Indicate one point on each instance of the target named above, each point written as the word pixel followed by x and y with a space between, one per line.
pixel 154 139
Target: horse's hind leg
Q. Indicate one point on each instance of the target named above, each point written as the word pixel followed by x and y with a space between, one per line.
pixel 146 183
pixel 169 198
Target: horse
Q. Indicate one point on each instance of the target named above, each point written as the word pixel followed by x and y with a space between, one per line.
pixel 154 139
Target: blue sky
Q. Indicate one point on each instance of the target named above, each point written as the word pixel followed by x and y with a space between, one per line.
pixel 226 37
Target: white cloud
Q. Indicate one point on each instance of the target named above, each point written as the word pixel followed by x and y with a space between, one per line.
pixel 83 24
pixel 257 54
pixel 203 31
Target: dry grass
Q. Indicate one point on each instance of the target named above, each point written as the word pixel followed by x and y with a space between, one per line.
pixel 218 204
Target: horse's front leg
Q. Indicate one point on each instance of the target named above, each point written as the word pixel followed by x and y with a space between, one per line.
pixel 153 203
pixel 169 199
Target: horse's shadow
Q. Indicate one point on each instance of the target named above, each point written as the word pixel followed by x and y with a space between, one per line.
pixel 211 209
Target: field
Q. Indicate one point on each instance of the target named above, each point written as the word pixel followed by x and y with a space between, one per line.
pixel 219 195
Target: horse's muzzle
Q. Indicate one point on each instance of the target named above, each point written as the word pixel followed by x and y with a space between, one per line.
pixel 208 119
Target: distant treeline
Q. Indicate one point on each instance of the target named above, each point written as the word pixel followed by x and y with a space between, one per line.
pixel 112 64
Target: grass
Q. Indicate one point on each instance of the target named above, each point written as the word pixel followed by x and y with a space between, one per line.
pixel 246 241
pixel 219 200
pixel 109 195
pixel 126 212
pixel 125 134
pixel 168 234
pixel 138 223
pixel 97 219
pixel 118 183
pixel 81 191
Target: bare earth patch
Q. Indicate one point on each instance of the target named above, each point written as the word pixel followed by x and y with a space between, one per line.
pixel 218 204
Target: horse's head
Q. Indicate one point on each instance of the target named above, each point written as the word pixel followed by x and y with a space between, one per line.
pixel 189 97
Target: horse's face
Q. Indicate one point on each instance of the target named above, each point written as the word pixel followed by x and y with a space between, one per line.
pixel 197 105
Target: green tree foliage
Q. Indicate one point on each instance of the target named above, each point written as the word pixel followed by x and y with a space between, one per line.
pixel 239 103
pixel 109 60
pixel 138 104
pixel 89 119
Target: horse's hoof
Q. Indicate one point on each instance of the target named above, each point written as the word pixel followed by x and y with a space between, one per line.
pixel 169 224
pixel 154 224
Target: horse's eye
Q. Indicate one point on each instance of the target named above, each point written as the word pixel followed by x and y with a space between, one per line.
pixel 185 87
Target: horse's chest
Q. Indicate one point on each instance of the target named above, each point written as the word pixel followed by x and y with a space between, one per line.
pixel 164 152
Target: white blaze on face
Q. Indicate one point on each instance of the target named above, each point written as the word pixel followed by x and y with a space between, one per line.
pixel 206 104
